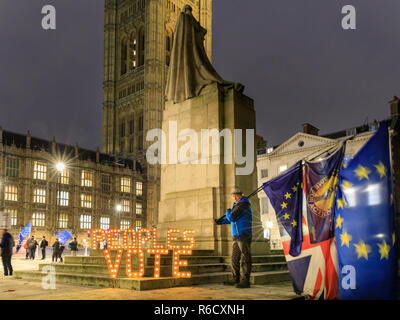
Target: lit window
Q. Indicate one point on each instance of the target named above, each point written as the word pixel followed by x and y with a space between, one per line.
pixel 85 221
pixel 125 184
pixel 86 178
pixel 86 201
pixel 38 219
pixel 105 183
pixel 282 168
pixel 39 195
pixel 39 170
pixel 14 216
pixel 12 167
pixel 11 193
pixel 65 177
pixel 126 206
pixel 269 150
pixel 139 188
pixel 104 223
pixel 63 221
pixel 125 224
pixel 138 224
pixel 139 208
pixel 63 198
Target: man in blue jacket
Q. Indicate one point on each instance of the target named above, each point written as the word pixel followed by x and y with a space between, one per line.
pixel 240 219
pixel 7 244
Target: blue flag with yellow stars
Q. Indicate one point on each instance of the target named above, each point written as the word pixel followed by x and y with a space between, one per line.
pixel 23 234
pixel 63 236
pixel 364 223
pixel 286 195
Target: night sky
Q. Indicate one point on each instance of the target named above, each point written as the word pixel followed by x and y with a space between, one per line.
pixel 296 61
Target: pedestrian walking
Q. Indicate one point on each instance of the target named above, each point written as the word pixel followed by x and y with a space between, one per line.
pixel 32 245
pixel 26 250
pixel 74 247
pixel 7 244
pixel 56 249
pixel 43 245
pixel 60 252
pixel 240 219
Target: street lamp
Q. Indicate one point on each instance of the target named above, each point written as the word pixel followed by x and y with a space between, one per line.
pixel 60 168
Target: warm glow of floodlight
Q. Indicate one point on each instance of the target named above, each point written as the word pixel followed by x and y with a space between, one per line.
pixel 60 167
pixel 118 207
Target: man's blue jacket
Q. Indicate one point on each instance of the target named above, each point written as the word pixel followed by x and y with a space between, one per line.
pixel 7 244
pixel 240 218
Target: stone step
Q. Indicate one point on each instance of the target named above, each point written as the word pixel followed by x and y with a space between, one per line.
pixel 165 270
pixel 99 253
pixel 151 283
pixel 270 277
pixel 166 260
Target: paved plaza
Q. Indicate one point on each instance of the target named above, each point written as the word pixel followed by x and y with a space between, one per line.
pixel 17 289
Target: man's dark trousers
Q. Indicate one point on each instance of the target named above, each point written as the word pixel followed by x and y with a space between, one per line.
pixel 44 253
pixel 241 257
pixel 8 270
pixel 32 254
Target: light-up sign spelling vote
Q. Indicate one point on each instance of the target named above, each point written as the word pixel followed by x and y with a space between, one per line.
pixel 135 246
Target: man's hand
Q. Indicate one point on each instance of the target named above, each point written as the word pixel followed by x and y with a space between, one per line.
pixel 215 221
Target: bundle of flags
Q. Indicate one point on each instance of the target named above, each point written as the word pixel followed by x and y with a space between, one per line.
pixel 22 235
pixel 338 223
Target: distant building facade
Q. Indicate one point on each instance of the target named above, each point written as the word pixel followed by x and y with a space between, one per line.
pixel 83 196
pixel 272 161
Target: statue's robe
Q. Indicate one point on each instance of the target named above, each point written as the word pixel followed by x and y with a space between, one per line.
pixel 190 70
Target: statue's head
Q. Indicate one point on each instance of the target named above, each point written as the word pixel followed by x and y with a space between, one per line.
pixel 187 9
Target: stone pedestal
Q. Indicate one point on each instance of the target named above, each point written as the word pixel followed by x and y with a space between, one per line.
pixel 192 195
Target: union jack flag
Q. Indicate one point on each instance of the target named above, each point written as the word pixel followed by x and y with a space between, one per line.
pixel 313 272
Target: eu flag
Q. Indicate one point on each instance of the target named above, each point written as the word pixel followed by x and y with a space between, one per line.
pixel 364 223
pixel 286 196
pixel 23 234
pixel 63 236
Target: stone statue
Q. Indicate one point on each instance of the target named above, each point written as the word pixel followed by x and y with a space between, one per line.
pixel 190 70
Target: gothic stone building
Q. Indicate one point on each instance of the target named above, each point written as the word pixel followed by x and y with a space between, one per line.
pixel 82 196
pixel 272 161
pixel 137 43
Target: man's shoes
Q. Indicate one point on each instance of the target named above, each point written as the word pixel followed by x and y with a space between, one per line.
pixel 243 285
pixel 231 283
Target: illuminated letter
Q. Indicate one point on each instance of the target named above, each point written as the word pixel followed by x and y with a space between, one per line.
pixel 129 271
pixel 188 239
pixel 155 245
pixel 141 240
pixel 98 238
pixel 112 238
pixel 113 268
pixel 180 263
pixel 157 259
pixel 134 240
pixel 170 238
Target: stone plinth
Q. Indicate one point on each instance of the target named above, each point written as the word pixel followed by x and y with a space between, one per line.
pixel 192 195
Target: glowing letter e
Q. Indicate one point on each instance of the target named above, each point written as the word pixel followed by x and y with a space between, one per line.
pixel 349 20
pixel 49 20
pixel 349 277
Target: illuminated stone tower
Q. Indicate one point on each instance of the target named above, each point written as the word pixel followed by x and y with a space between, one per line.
pixel 137 45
